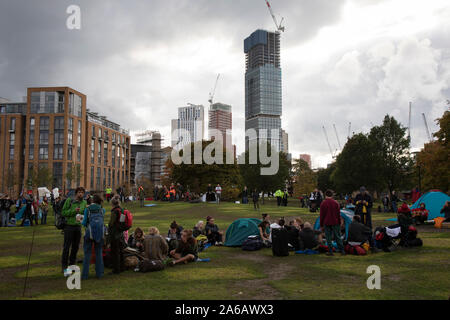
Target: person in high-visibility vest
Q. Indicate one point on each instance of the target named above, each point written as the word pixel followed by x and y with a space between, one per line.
pixel 108 193
pixel 279 194
pixel 172 193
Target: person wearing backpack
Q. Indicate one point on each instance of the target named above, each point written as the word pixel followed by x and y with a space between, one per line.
pixel 116 238
pixel 72 228
pixel 94 236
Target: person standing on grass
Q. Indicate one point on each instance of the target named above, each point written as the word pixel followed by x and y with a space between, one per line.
pixel 218 193
pixel 363 203
pixel 94 215
pixel 35 210
pixel 44 210
pixel 255 198
pixel 116 237
pixel 330 221
pixel 141 195
pixel 187 249
pixel 385 201
pixel 245 196
pixel 394 200
pixel 72 229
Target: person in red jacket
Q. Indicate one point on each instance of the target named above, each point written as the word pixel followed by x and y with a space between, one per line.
pixel 330 221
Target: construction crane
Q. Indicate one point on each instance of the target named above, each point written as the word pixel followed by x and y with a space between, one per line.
pixel 409 121
pixel 328 142
pixel 349 128
pixel 337 137
pixel 426 127
pixel 211 94
pixel 279 27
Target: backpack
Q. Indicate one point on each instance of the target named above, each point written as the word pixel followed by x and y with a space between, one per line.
pixel 125 220
pixel 147 265
pixel 95 226
pixel 280 242
pixel 60 220
pixel 252 244
pixel 356 250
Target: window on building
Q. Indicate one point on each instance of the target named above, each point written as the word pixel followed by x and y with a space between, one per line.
pixel 78 153
pixel 13 124
pixel 70 124
pixel 105 154
pixel 113 179
pixel 70 138
pixel 97 179
pixel 109 177
pixel 43 137
pixel 31 152
pixel 12 139
pixel 93 131
pixel 58 137
pixel 69 152
pixel 92 152
pixel 11 152
pixel 59 123
pixel 58 153
pixel 113 155
pixel 44 123
pixel 57 174
pixel 99 160
pixel 99 132
pixel 104 178
pixel 32 123
pixel 92 178
pixel 43 153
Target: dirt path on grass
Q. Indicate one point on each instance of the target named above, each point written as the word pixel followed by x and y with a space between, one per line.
pixel 272 271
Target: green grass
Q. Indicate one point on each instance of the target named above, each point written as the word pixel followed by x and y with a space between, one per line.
pixel 417 273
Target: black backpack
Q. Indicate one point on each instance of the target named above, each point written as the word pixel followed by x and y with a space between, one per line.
pixel 280 240
pixel 252 244
pixel 60 220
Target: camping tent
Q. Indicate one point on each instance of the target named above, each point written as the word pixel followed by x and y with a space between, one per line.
pixel 240 230
pixel 434 201
pixel 347 215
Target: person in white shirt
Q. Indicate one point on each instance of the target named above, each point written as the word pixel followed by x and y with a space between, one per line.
pixel 218 193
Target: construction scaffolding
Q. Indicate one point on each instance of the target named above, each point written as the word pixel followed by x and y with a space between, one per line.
pixel 151 139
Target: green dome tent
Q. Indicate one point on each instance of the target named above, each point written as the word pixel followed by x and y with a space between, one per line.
pixel 240 230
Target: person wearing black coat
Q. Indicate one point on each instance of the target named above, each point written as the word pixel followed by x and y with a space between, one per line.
pixel 363 207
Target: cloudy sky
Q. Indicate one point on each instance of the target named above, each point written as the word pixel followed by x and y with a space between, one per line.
pixel 138 61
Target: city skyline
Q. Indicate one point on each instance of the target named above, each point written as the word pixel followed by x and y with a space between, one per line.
pixel 337 58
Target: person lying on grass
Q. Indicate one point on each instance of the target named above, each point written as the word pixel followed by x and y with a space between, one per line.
pixel 212 232
pixel 186 251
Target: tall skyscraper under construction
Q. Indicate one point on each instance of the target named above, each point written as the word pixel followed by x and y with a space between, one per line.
pixel 263 107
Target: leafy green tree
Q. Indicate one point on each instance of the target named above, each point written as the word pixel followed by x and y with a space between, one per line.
pixel 74 174
pixel 196 177
pixel 355 166
pixel 252 177
pixel 433 160
pixel 324 180
pixel 305 178
pixel 391 152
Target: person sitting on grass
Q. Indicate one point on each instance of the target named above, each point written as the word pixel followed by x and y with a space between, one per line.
pixel 212 232
pixel 174 235
pixel 309 238
pixel 359 233
pixel 199 229
pixel 446 211
pixel 262 232
pixel 186 250
pixel 155 246
pixel 136 240
pixel 420 215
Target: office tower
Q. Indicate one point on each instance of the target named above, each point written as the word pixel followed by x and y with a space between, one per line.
pixel 220 118
pixel 146 157
pixel 284 141
pixel 307 158
pixel 55 130
pixel 190 125
pixel 263 106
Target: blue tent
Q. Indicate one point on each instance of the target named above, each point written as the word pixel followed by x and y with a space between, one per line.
pixel 347 215
pixel 240 230
pixel 434 201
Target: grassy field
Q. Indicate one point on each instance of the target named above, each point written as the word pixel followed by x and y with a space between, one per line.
pixel 416 273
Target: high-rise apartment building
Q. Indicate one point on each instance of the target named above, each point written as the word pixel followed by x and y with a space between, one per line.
pixel 263 107
pixel 220 118
pixel 307 158
pixel 284 141
pixel 55 130
pixel 190 125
